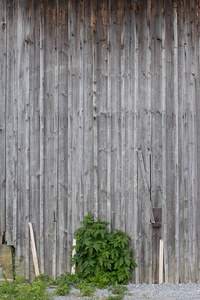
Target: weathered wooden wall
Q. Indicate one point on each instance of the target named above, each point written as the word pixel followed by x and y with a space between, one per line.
pixel 100 111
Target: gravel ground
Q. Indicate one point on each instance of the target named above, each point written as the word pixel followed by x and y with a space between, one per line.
pixel 185 291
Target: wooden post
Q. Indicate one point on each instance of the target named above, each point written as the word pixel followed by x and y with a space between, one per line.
pixel 33 249
pixel 73 253
pixel 161 262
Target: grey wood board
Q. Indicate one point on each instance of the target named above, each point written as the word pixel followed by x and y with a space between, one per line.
pixel 3 68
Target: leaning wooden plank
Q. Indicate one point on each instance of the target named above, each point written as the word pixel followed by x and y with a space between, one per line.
pixel 73 253
pixel 33 249
pixel 161 262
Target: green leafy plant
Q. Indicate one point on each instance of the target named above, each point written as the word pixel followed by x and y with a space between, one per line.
pixel 35 290
pixel 18 289
pixel 99 281
pixel 63 284
pixel 118 289
pixel 86 290
pixel 100 253
pixel 42 277
pixel 7 290
pixel 63 289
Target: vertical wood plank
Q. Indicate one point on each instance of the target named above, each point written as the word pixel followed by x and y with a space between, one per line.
pixel 182 151
pixel 29 36
pixel 135 148
pixel 34 126
pixel 197 87
pixel 131 222
pixel 94 100
pixel 23 44
pixel 3 68
pixel 170 125
pixel 16 178
pixel 101 101
pixel 56 140
pixel 51 131
pixel 11 134
pixel 69 125
pixel 148 149
pixel 62 230
pixel 191 107
pixel 88 109
pixel 186 122
pixel 144 139
pixel 116 19
pixel 42 149
pixel 176 158
pixel 123 98
pixel 54 252
pixel 81 115
pixel 108 127
pixel 126 96
pixel 164 145
pixel 156 124
pixel 75 134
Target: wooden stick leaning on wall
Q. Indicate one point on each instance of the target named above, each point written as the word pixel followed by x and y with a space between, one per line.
pixel 33 249
pixel 73 253
pixel 161 262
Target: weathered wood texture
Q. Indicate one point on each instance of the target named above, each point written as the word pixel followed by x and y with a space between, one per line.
pixel 100 111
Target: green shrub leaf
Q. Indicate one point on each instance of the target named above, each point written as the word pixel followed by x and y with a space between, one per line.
pixel 101 252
